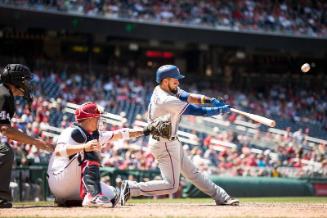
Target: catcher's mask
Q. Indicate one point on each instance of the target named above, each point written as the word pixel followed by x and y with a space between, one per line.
pixel 86 111
pixel 19 76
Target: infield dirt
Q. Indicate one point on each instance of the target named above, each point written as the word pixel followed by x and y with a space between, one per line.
pixel 175 210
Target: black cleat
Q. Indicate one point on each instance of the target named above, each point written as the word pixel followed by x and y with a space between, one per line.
pixel 5 204
pixel 125 193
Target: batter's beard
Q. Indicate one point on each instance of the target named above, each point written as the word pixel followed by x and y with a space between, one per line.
pixel 174 91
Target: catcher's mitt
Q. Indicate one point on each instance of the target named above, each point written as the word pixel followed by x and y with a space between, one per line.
pixel 161 127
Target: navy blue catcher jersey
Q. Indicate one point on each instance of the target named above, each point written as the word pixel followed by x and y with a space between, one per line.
pixel 7 105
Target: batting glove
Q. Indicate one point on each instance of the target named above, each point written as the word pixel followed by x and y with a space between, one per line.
pixel 217 103
pixel 225 109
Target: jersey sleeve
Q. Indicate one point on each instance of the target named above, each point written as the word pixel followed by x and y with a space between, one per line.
pixel 5 117
pixel 65 138
pixel 174 105
pixel 182 95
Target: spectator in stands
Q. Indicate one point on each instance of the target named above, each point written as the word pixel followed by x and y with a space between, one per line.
pixel 275 172
pixel 211 155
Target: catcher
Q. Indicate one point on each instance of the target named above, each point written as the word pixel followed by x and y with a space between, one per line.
pixel 73 172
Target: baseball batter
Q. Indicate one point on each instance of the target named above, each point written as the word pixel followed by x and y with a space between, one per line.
pixel 73 171
pixel 168 98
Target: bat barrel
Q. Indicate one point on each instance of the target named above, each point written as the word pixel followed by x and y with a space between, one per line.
pixel 257 118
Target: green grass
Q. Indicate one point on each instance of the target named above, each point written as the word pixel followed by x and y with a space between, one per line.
pixel 202 201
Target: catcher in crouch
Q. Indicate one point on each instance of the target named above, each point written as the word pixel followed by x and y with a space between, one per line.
pixel 73 171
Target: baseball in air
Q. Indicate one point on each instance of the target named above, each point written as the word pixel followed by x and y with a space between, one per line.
pixel 305 68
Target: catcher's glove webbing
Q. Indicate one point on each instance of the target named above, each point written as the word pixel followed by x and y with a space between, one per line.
pixel 160 127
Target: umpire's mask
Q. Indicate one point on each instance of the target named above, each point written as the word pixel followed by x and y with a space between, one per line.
pixel 19 76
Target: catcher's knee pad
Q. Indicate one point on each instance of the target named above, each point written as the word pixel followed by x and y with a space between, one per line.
pixel 90 178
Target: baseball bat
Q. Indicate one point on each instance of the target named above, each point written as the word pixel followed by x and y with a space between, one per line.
pixel 257 118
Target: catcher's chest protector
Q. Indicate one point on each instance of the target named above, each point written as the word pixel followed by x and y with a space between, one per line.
pixel 80 135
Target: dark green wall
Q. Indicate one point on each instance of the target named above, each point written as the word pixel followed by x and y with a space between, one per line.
pixel 256 187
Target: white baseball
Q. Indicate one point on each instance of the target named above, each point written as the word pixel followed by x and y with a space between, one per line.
pixel 305 67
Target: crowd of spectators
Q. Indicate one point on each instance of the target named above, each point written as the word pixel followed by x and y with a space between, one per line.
pixel 305 17
pixel 289 157
pixel 291 151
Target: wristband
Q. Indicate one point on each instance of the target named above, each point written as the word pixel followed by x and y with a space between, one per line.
pixel 203 98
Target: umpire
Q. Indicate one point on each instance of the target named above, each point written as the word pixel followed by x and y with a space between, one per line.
pixel 15 81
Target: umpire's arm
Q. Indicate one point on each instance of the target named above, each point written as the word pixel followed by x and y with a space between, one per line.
pixel 15 134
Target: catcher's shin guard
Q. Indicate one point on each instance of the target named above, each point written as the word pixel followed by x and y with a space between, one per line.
pixel 90 178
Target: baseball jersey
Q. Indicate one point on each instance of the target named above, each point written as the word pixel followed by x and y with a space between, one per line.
pixel 59 163
pixel 163 103
pixel 7 105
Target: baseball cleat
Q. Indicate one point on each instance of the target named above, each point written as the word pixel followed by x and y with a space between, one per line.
pixel 5 204
pixel 229 202
pixel 125 193
pixel 116 199
pixel 96 201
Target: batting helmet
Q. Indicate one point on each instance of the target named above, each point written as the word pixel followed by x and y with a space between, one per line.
pixel 19 76
pixel 86 111
pixel 168 71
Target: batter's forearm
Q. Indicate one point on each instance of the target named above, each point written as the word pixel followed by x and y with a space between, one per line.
pixel 192 98
pixel 198 99
pixel 196 110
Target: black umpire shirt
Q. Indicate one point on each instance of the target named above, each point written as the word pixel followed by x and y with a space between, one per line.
pixel 7 105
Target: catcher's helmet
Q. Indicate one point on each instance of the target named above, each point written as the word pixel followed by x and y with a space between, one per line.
pixel 168 71
pixel 19 76
pixel 86 111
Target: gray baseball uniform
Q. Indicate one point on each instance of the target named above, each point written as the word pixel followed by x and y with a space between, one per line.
pixel 170 154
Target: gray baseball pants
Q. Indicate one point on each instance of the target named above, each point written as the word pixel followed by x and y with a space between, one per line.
pixel 173 161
